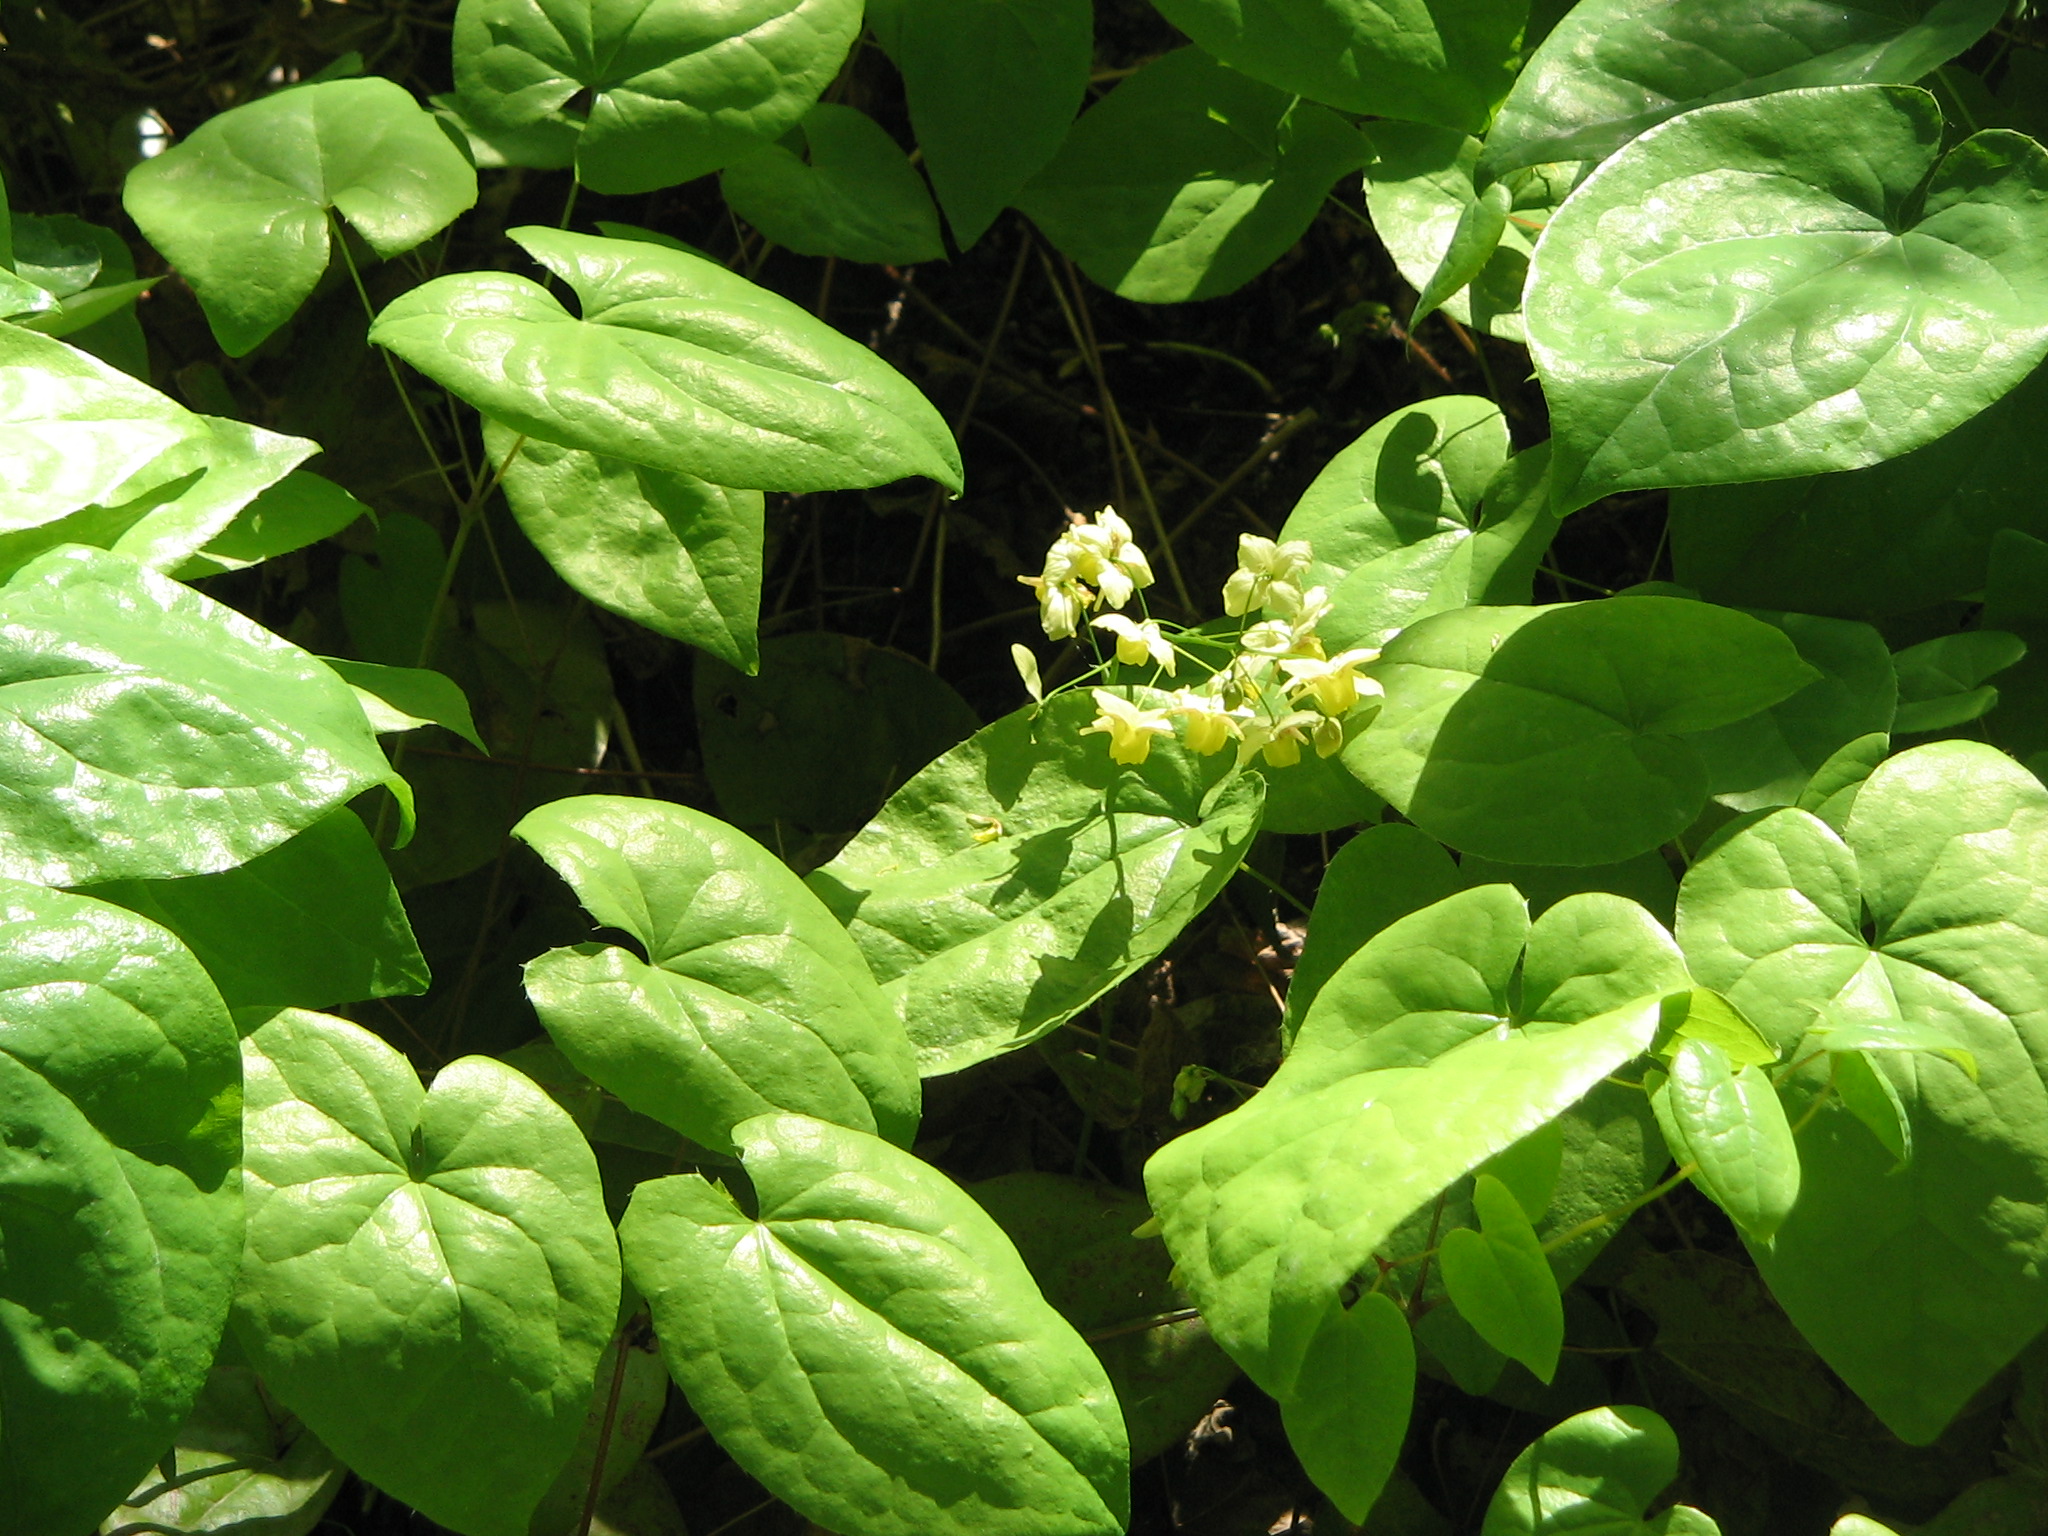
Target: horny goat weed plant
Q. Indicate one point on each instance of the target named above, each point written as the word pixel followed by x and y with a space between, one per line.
pixel 1786 261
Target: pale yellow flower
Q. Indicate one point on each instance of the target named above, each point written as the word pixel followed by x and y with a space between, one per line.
pixel 1137 643
pixel 1334 684
pixel 1280 740
pixel 1265 577
pixel 1130 729
pixel 1210 723
pixel 1328 736
pixel 1294 636
pixel 1060 604
pixel 1104 554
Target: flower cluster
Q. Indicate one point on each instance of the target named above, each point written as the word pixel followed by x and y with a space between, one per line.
pixel 1272 689
pixel 1089 563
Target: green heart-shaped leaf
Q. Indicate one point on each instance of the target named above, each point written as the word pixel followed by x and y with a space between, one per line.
pixel 1799 283
pixel 1942 866
pixel 242 206
pixel 747 996
pixel 1876 542
pixel 1560 735
pixel 986 942
pixel 1377 878
pixel 676 364
pixel 312 923
pixel 1433 61
pixel 982 146
pixel 98 656
pixel 676 88
pixel 857 196
pixel 1188 180
pixel 870 1346
pixel 1595 1475
pixel 1500 1280
pixel 1348 1415
pixel 1771 757
pixel 120 1115
pixel 405 1245
pixel 667 550
pixel 1423 512
pixel 1270 1211
pixel 1612 69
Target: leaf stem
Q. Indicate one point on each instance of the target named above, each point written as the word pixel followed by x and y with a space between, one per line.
pixel 419 427
pixel 604 1430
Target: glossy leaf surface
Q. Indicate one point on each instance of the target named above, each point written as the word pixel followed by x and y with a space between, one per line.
pixel 313 923
pixel 242 207
pixel 274 1478
pixel 1501 1283
pixel 980 145
pixel 1188 179
pixel 298 510
pixel 1799 283
pixel 1943 866
pixel 983 943
pixel 747 995
pixel 871 1348
pixel 77 433
pixel 676 88
pixel 1615 68
pixel 103 666
pixel 680 555
pixel 1729 1123
pixel 1474 239
pixel 676 364
pixel 1349 1412
pixel 1432 61
pixel 1871 543
pixel 1273 1208
pixel 405 698
pixel 1075 1236
pixel 405 1244
pixel 120 1095
pixel 1597 1472
pixel 1397 525
pixel 1559 735
pixel 852 194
